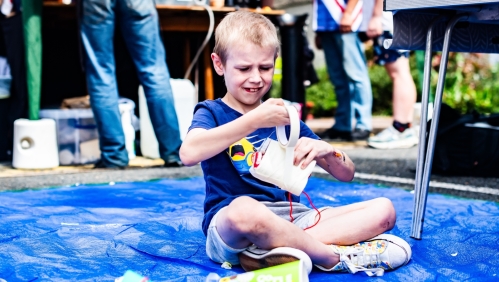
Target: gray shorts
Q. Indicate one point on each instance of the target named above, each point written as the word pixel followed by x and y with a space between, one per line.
pixel 218 251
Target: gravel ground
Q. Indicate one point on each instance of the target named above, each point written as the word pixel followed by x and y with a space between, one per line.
pixel 394 168
pixel 401 163
pixel 95 176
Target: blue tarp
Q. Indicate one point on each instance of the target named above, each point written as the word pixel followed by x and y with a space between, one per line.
pixel 97 232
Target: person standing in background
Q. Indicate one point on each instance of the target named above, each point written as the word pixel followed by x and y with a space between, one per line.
pixel 139 24
pixel 378 25
pixel 336 23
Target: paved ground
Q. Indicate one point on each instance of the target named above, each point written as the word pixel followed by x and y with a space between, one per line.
pixel 394 168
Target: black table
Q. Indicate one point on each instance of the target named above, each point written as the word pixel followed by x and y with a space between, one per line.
pixel 444 25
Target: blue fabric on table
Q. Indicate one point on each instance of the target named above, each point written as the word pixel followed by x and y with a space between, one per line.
pixel 97 232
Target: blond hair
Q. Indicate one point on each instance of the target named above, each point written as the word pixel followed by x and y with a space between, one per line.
pixel 244 26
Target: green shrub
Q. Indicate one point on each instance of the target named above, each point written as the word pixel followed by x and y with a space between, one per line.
pixel 324 99
pixel 322 95
pixel 471 84
pixel 381 86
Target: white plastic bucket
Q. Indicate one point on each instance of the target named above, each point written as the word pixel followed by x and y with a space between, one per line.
pixel 127 107
pixel 184 95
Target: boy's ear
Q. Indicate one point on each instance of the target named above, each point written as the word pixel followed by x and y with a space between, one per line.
pixel 217 64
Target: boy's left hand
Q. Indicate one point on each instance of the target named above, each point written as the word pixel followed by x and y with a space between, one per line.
pixel 309 149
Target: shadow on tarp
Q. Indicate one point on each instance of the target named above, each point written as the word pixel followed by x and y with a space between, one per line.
pixel 97 232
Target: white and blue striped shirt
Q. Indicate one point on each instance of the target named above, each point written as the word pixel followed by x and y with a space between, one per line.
pixel 328 14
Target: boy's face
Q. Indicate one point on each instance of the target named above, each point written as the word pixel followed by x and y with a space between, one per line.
pixel 248 71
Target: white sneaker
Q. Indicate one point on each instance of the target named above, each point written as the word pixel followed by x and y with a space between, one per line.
pixel 390 138
pixel 254 258
pixel 373 256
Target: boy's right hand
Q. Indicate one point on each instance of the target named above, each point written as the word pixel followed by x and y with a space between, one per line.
pixel 271 113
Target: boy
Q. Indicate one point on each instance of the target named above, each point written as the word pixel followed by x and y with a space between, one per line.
pixel 245 217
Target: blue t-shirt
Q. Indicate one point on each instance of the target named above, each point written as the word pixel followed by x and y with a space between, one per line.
pixel 227 174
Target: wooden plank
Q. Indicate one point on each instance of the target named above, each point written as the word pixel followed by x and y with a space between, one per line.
pixel 185 23
pixel 216 10
pixel 270 12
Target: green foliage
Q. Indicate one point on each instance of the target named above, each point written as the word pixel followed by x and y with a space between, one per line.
pixel 275 91
pixel 381 86
pixel 471 84
pixel 322 95
pixel 324 99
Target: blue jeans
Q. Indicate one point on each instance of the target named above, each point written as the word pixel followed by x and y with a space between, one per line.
pixel 347 69
pixel 138 20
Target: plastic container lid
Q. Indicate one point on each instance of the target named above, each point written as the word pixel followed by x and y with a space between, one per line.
pixel 66 113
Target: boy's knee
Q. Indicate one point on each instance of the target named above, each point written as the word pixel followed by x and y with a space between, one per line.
pixel 245 213
pixel 387 213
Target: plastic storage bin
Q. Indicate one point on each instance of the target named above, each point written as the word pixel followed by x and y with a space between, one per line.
pixel 77 136
pixel 5 78
pixel 5 82
pixel 180 2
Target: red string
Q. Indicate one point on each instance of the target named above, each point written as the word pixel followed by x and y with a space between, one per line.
pixel 290 208
pixel 312 204
pixel 318 212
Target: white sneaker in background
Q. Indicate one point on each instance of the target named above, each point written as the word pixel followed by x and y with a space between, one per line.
pixel 390 138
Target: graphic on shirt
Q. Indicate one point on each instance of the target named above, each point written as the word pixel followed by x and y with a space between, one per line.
pixel 241 153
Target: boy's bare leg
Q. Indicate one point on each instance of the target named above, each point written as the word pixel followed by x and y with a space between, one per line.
pixel 350 224
pixel 246 221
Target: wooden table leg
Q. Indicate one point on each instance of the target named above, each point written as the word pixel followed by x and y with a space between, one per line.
pixel 187 56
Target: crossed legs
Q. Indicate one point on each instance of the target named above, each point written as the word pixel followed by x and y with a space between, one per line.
pixel 344 225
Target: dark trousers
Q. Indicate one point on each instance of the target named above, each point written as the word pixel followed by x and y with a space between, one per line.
pixel 16 106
